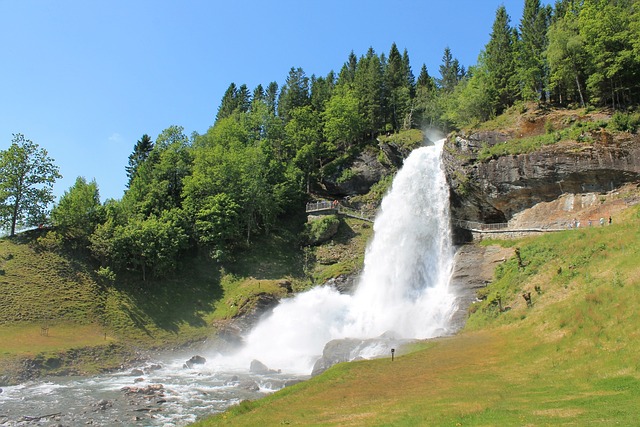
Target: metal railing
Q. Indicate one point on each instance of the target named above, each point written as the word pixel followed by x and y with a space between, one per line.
pixel 321 206
pixel 330 206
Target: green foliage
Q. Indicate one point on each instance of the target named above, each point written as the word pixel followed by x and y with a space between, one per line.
pixel 499 65
pixel 140 153
pixel 579 131
pixel 320 230
pixel 625 122
pixel 26 184
pixel 79 211
pixel 408 139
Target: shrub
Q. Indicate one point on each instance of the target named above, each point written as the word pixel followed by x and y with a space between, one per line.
pixel 321 230
pixel 625 122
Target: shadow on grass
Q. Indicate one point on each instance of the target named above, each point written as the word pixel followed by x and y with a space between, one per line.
pixel 185 298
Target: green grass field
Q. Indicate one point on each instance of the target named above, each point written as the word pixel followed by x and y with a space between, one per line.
pixel 570 358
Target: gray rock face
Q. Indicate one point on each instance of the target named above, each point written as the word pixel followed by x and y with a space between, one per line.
pixel 257 367
pixel 349 349
pixel 364 171
pixel 494 190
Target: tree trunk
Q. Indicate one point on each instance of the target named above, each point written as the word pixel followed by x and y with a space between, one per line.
pixel 579 91
pixel 14 215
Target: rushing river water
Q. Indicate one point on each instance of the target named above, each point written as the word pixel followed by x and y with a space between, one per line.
pixel 403 289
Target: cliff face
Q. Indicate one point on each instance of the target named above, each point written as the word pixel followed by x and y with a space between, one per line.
pixel 494 190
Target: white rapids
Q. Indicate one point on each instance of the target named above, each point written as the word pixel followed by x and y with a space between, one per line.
pixel 403 288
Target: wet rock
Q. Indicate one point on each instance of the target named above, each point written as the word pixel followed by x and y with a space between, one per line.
pixel 136 372
pixel 286 284
pixel 349 349
pixel 195 360
pixel 102 405
pixel 138 380
pixel 151 389
pixel 257 367
pixel 250 386
pixel 151 368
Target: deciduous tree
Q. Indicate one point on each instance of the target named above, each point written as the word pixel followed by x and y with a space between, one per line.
pixel 26 184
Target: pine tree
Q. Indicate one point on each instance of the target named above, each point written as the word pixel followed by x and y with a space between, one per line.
pixel 450 71
pixel 243 99
pixel 409 77
pixel 425 80
pixel 531 68
pixel 141 151
pixel 368 84
pixel 294 94
pixel 229 102
pixel 271 96
pixel 348 70
pixel 396 90
pixel 499 62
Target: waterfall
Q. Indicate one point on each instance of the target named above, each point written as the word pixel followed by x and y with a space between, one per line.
pixel 403 288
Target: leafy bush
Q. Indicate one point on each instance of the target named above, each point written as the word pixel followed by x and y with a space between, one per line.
pixel 625 122
pixel 321 230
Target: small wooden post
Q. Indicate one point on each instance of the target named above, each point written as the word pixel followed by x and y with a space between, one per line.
pixel 393 350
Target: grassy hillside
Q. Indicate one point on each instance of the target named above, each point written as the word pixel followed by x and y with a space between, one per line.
pixel 44 286
pixel 571 358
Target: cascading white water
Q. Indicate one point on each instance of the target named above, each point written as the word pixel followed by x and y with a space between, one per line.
pixel 403 288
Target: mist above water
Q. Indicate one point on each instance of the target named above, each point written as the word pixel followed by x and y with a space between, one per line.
pixel 403 288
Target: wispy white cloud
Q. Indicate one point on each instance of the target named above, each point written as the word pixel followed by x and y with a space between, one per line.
pixel 115 137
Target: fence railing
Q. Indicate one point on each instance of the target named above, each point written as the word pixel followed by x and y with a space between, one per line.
pixel 321 206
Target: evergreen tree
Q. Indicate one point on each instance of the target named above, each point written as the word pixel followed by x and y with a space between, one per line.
pixel 348 70
pixel 294 94
pixel 426 105
pixel 450 72
pixel 396 90
pixel 321 90
pixel 531 46
pixel 243 99
pixel 271 96
pixel 229 102
pixel 500 63
pixel 368 84
pixel 140 153
pixel 409 77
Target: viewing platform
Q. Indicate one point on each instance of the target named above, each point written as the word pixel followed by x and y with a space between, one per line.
pixel 326 207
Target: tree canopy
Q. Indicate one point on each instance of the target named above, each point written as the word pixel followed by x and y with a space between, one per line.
pixel 271 146
pixel 26 184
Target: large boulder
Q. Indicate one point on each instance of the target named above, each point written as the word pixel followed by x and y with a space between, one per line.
pixel 195 360
pixel 350 349
pixel 257 367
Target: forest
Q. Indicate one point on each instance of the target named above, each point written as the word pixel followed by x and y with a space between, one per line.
pixel 270 147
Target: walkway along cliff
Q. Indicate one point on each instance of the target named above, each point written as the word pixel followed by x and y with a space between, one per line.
pixel 496 189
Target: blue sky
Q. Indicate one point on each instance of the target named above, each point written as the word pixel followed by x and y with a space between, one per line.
pixel 86 79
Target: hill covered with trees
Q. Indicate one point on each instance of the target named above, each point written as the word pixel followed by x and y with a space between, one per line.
pixel 271 147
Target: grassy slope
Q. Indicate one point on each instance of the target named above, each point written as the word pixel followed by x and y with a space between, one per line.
pixel 41 287
pixel 570 359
